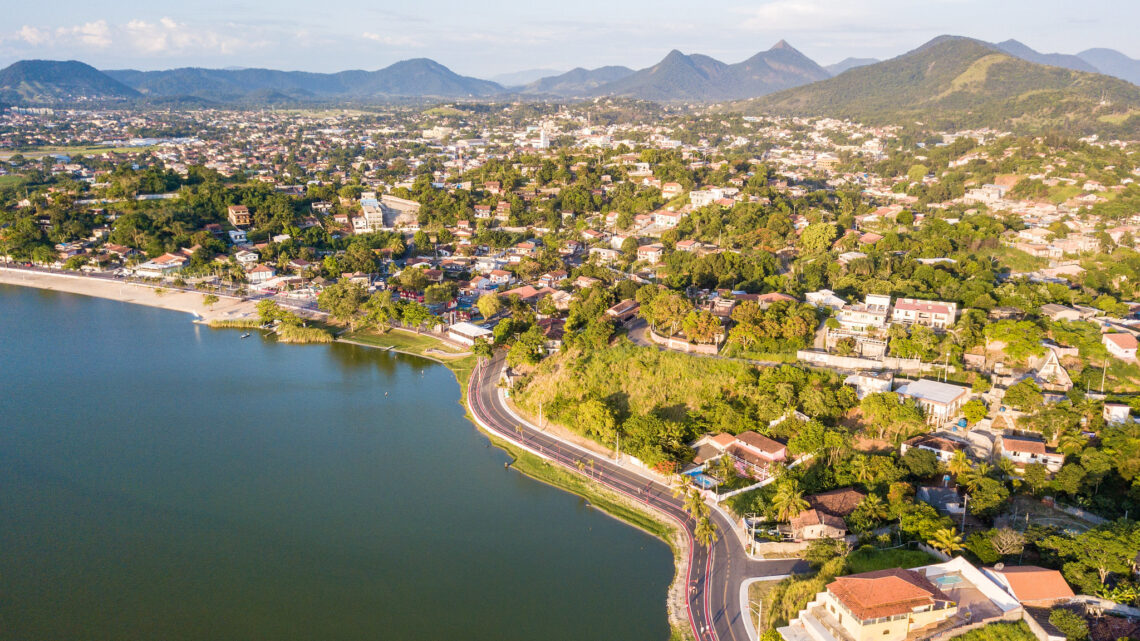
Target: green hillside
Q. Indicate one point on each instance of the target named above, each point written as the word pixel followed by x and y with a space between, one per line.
pixel 954 82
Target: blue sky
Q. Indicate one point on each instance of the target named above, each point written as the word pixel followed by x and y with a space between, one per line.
pixel 488 38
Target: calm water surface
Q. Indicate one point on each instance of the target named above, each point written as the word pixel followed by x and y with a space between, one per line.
pixel 164 481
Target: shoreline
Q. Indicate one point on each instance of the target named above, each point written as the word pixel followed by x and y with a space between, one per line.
pixel 227 308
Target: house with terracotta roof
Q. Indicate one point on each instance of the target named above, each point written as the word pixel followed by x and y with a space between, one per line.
pixel 752 452
pixel 1023 451
pixel 810 525
pixel 932 601
pixel 1032 585
pixel 943 448
pixel 1122 346
pixel 884 605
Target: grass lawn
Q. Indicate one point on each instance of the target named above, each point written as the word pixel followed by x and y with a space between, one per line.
pixel 871 560
pixel 1000 632
pixel 40 152
pixel 9 180
pixel 419 345
pixel 757 592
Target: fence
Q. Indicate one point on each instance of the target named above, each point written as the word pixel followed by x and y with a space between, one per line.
pixel 1081 514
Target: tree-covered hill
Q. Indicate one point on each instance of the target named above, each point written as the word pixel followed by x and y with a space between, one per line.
pixel 48 81
pixel 954 82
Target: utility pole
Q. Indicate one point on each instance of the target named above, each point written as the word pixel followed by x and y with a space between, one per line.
pixel 965 502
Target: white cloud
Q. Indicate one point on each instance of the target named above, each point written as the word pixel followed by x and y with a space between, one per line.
pixel 92 34
pixel 164 37
pixel 392 40
pixel 167 37
pixel 32 35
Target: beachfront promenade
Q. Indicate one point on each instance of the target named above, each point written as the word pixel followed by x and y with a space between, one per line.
pixel 713 575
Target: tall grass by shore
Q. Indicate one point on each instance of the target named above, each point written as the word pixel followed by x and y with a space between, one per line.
pixel 298 334
pixel 235 323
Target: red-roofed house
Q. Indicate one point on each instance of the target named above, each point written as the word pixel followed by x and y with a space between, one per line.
pixel 1031 585
pixel 884 605
pixel 1023 451
pixel 1122 346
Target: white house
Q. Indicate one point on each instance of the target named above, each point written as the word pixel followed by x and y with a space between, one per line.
pixel 238 236
pixel 466 333
pixel 1024 451
pixel 1122 346
pixel 939 401
pixel 931 313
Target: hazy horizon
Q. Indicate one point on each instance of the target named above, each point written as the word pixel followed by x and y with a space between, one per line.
pixel 512 36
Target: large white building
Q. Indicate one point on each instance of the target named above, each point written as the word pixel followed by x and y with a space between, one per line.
pixel 939 401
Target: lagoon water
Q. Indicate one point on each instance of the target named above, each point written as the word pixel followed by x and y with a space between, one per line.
pixel 160 480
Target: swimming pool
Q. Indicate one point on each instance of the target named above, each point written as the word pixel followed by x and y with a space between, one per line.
pixel 703 481
pixel 947 580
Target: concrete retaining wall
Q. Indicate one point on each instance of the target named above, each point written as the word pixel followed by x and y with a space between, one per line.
pixel 681 345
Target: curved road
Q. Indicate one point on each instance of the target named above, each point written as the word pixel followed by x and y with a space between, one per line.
pixel 715 574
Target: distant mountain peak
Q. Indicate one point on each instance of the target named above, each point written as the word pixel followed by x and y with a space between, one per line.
pixel 782 44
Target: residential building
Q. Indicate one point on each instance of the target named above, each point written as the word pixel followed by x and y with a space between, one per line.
pixel 650 253
pixel 868 382
pixel 870 314
pixel 260 273
pixel 1023 451
pixel 1031 585
pixel 810 525
pixel 1122 346
pixel 939 401
pixel 238 236
pixel 162 266
pixel 884 605
pixel 897 604
pixel 825 298
pixel 466 333
pixel 933 314
pixel 943 448
pixel 624 312
pixel 944 499
pixel 238 215
pixel 1057 312
pixel 752 452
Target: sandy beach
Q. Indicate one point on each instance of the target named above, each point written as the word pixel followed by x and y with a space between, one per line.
pixel 179 301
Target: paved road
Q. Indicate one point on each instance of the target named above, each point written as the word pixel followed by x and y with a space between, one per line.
pixel 714 576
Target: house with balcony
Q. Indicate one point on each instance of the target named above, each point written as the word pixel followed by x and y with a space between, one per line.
pixel 869 315
pixel 929 313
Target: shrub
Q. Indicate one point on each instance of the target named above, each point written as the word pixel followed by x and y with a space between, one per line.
pixel 1069 623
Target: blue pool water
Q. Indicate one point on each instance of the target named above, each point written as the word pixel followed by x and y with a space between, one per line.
pixel 703 481
pixel 949 579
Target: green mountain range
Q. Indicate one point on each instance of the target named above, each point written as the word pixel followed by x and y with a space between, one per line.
pixel 955 83
pixel 50 81
pixel 699 78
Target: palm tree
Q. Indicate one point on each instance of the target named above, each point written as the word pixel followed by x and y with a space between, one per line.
pixel 705 532
pixel 874 507
pixel 959 463
pixel 946 540
pixel 696 505
pixel 789 500
pixel 861 466
pixel 726 468
pixel 684 482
